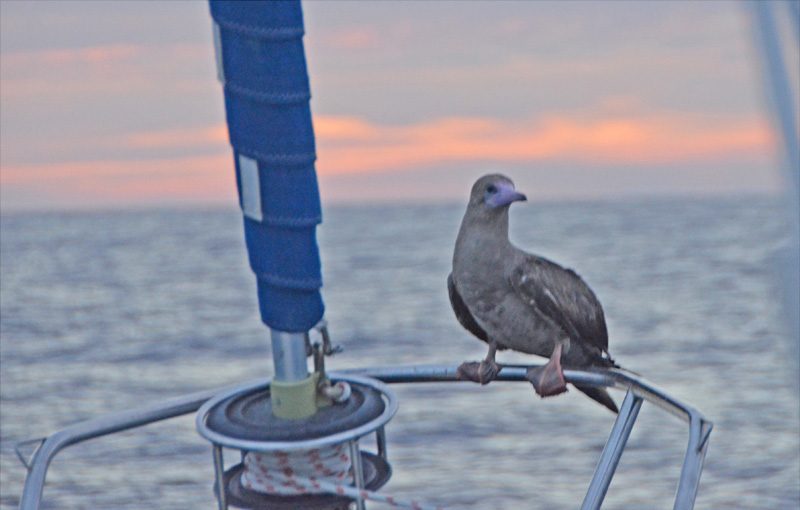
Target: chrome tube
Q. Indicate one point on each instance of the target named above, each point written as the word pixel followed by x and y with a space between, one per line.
pixel 380 440
pixel 609 459
pixel 219 477
pixel 289 355
pixel 607 378
pixel 689 483
pixel 358 473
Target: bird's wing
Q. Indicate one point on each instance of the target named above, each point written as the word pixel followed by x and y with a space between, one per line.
pixel 563 297
pixel 463 314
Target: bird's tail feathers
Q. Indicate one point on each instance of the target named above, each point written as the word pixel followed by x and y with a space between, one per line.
pixel 608 361
pixel 599 395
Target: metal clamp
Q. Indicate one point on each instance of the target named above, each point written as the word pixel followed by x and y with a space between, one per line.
pixel 328 349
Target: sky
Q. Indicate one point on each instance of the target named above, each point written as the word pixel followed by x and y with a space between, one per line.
pixel 117 104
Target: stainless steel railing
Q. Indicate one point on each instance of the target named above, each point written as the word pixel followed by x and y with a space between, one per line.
pixel 638 391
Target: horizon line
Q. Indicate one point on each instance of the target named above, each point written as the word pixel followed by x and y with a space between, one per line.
pixel 218 205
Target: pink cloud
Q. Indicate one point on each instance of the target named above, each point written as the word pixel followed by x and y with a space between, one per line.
pixel 353 38
pixel 344 128
pixel 71 56
pixel 196 179
pixel 174 138
pixel 355 145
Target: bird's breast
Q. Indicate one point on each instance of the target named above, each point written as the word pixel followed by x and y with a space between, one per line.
pixel 505 318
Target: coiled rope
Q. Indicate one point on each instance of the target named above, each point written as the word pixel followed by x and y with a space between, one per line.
pixel 318 471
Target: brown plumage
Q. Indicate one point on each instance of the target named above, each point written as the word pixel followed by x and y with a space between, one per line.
pixel 515 300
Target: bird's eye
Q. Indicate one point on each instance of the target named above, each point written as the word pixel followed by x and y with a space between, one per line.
pixel 492 189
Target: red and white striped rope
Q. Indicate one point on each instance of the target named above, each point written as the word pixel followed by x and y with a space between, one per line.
pixel 319 471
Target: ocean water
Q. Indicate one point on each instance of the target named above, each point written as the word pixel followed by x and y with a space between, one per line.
pixel 105 311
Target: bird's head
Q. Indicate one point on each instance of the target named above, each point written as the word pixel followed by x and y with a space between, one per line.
pixel 493 193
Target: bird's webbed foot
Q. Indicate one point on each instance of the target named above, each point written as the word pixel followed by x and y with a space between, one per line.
pixel 548 380
pixel 482 372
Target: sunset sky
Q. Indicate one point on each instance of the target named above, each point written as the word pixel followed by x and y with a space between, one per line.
pixel 117 103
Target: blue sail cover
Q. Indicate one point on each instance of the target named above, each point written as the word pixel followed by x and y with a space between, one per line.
pixel 262 65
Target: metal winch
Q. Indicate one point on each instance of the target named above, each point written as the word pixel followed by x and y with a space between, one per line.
pixel 300 436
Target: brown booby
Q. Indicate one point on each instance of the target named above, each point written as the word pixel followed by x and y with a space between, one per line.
pixel 514 300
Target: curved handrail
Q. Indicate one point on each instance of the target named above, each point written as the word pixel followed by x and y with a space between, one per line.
pixel 610 378
pixel 638 390
pixel 99 427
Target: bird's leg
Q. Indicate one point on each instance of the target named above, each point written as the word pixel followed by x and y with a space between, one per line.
pixel 483 372
pixel 548 380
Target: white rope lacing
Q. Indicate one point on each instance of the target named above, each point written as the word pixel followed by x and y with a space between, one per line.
pixel 326 470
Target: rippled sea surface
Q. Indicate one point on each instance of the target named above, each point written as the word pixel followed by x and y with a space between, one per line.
pixel 102 312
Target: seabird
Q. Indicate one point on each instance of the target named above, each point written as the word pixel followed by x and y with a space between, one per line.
pixel 515 300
